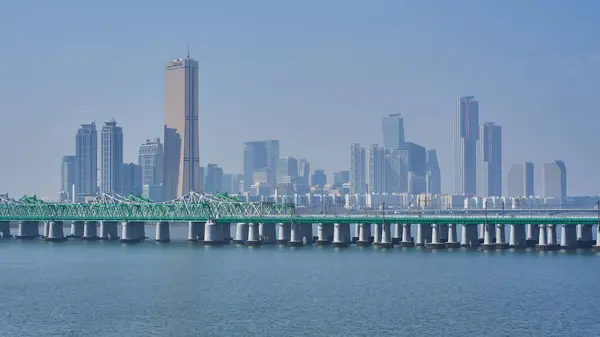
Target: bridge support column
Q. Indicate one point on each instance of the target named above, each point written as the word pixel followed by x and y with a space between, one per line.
pixel 213 234
pixel 195 231
pixel 296 235
pixel 487 237
pixel 356 231
pixel 501 237
pixel 283 233
pixel 108 230
pixel 141 230
pixel 28 230
pixel 481 234
pixel 406 236
pixel 241 233
pixel 226 233
pixel 533 234
pixel 341 235
pixel 45 229
pixel 551 238
pixel 163 233
pixel 5 229
pixel 597 245
pixel 76 229
pixel 377 230
pixel 322 232
pixel 364 232
pixel 585 239
pixel 55 232
pixel 267 233
pixel 435 238
pixel 130 232
pixel 90 231
pixel 517 236
pixel 467 235
pixel 543 239
pixel 397 233
pixel 568 237
pixel 452 241
pixel 420 236
pixel 385 240
pixel 253 235
pixel 307 232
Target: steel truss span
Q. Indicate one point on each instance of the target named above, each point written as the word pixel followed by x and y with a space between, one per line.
pixel 222 208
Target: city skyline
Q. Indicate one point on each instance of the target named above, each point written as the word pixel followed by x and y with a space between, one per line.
pixel 248 93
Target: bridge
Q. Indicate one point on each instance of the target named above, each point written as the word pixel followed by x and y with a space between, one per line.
pixel 209 218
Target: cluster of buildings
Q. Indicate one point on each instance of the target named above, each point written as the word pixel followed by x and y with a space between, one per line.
pixel 397 172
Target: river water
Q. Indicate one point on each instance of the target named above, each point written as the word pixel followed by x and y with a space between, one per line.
pixel 182 289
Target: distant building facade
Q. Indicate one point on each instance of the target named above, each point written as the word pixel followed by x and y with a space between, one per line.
pixel 86 169
pixel 520 180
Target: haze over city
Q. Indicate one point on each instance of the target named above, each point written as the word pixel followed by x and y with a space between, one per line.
pixel 317 76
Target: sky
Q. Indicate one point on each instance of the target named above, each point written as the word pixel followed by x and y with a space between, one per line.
pixel 318 75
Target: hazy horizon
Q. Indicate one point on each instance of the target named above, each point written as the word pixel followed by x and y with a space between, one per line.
pixel 316 75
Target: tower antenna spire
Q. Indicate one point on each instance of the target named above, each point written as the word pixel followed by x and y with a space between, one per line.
pixel 188 52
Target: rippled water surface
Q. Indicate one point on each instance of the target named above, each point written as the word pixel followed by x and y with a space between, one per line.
pixel 179 289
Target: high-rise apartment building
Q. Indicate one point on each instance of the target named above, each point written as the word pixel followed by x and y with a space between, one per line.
pixel 340 178
pixel 231 183
pixel 131 179
pixel 86 169
pixel 396 171
pixel 318 178
pixel 181 173
pixel 111 158
pixel 67 178
pixel 417 167
pixel 554 181
pixel 375 169
pixel 287 170
pixel 489 160
pixel 466 133
pixel 358 181
pixel 433 177
pixel 213 179
pixel 520 180
pixel 393 131
pixel 260 158
pixel 150 158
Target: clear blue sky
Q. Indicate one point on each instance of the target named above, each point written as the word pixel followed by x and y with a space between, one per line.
pixel 318 75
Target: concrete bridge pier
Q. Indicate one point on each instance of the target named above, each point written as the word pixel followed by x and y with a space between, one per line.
pixel 481 236
pixel 307 232
pixel 163 233
pixel 435 238
pixel 452 241
pixel 406 237
pixel 597 245
pixel 501 237
pixel 141 229
pixel 488 241
pixel 533 234
pixel 213 234
pixel 267 233
pixel 377 230
pixel 76 229
pixel 90 231
pixel 364 232
pixel 551 238
pixel 5 230
pixel 585 239
pixel 195 231
pixel 28 230
pixel 341 235
pixel 397 233
pixel 443 233
pixel 356 231
pixel 55 232
pixel 130 232
pixel 241 233
pixel 296 235
pixel 108 230
pixel 385 240
pixel 517 236
pixel 283 233
pixel 45 229
pixel 568 237
pixel 253 235
pixel 542 239
pixel 226 233
pixel 466 236
pixel 322 237
pixel 420 236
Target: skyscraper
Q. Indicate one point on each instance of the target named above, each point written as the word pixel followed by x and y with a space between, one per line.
pixel 150 158
pixel 375 169
pixel 358 180
pixel 396 171
pixel 417 167
pixel 131 179
pixel 287 170
pixel 466 133
pixel 318 178
pixel 393 131
pixel 86 169
pixel 520 180
pixel 340 178
pixel 67 177
pixel 112 158
pixel 433 178
pixel 181 172
pixel 555 181
pixel 214 179
pixel 260 157
pixel 489 160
